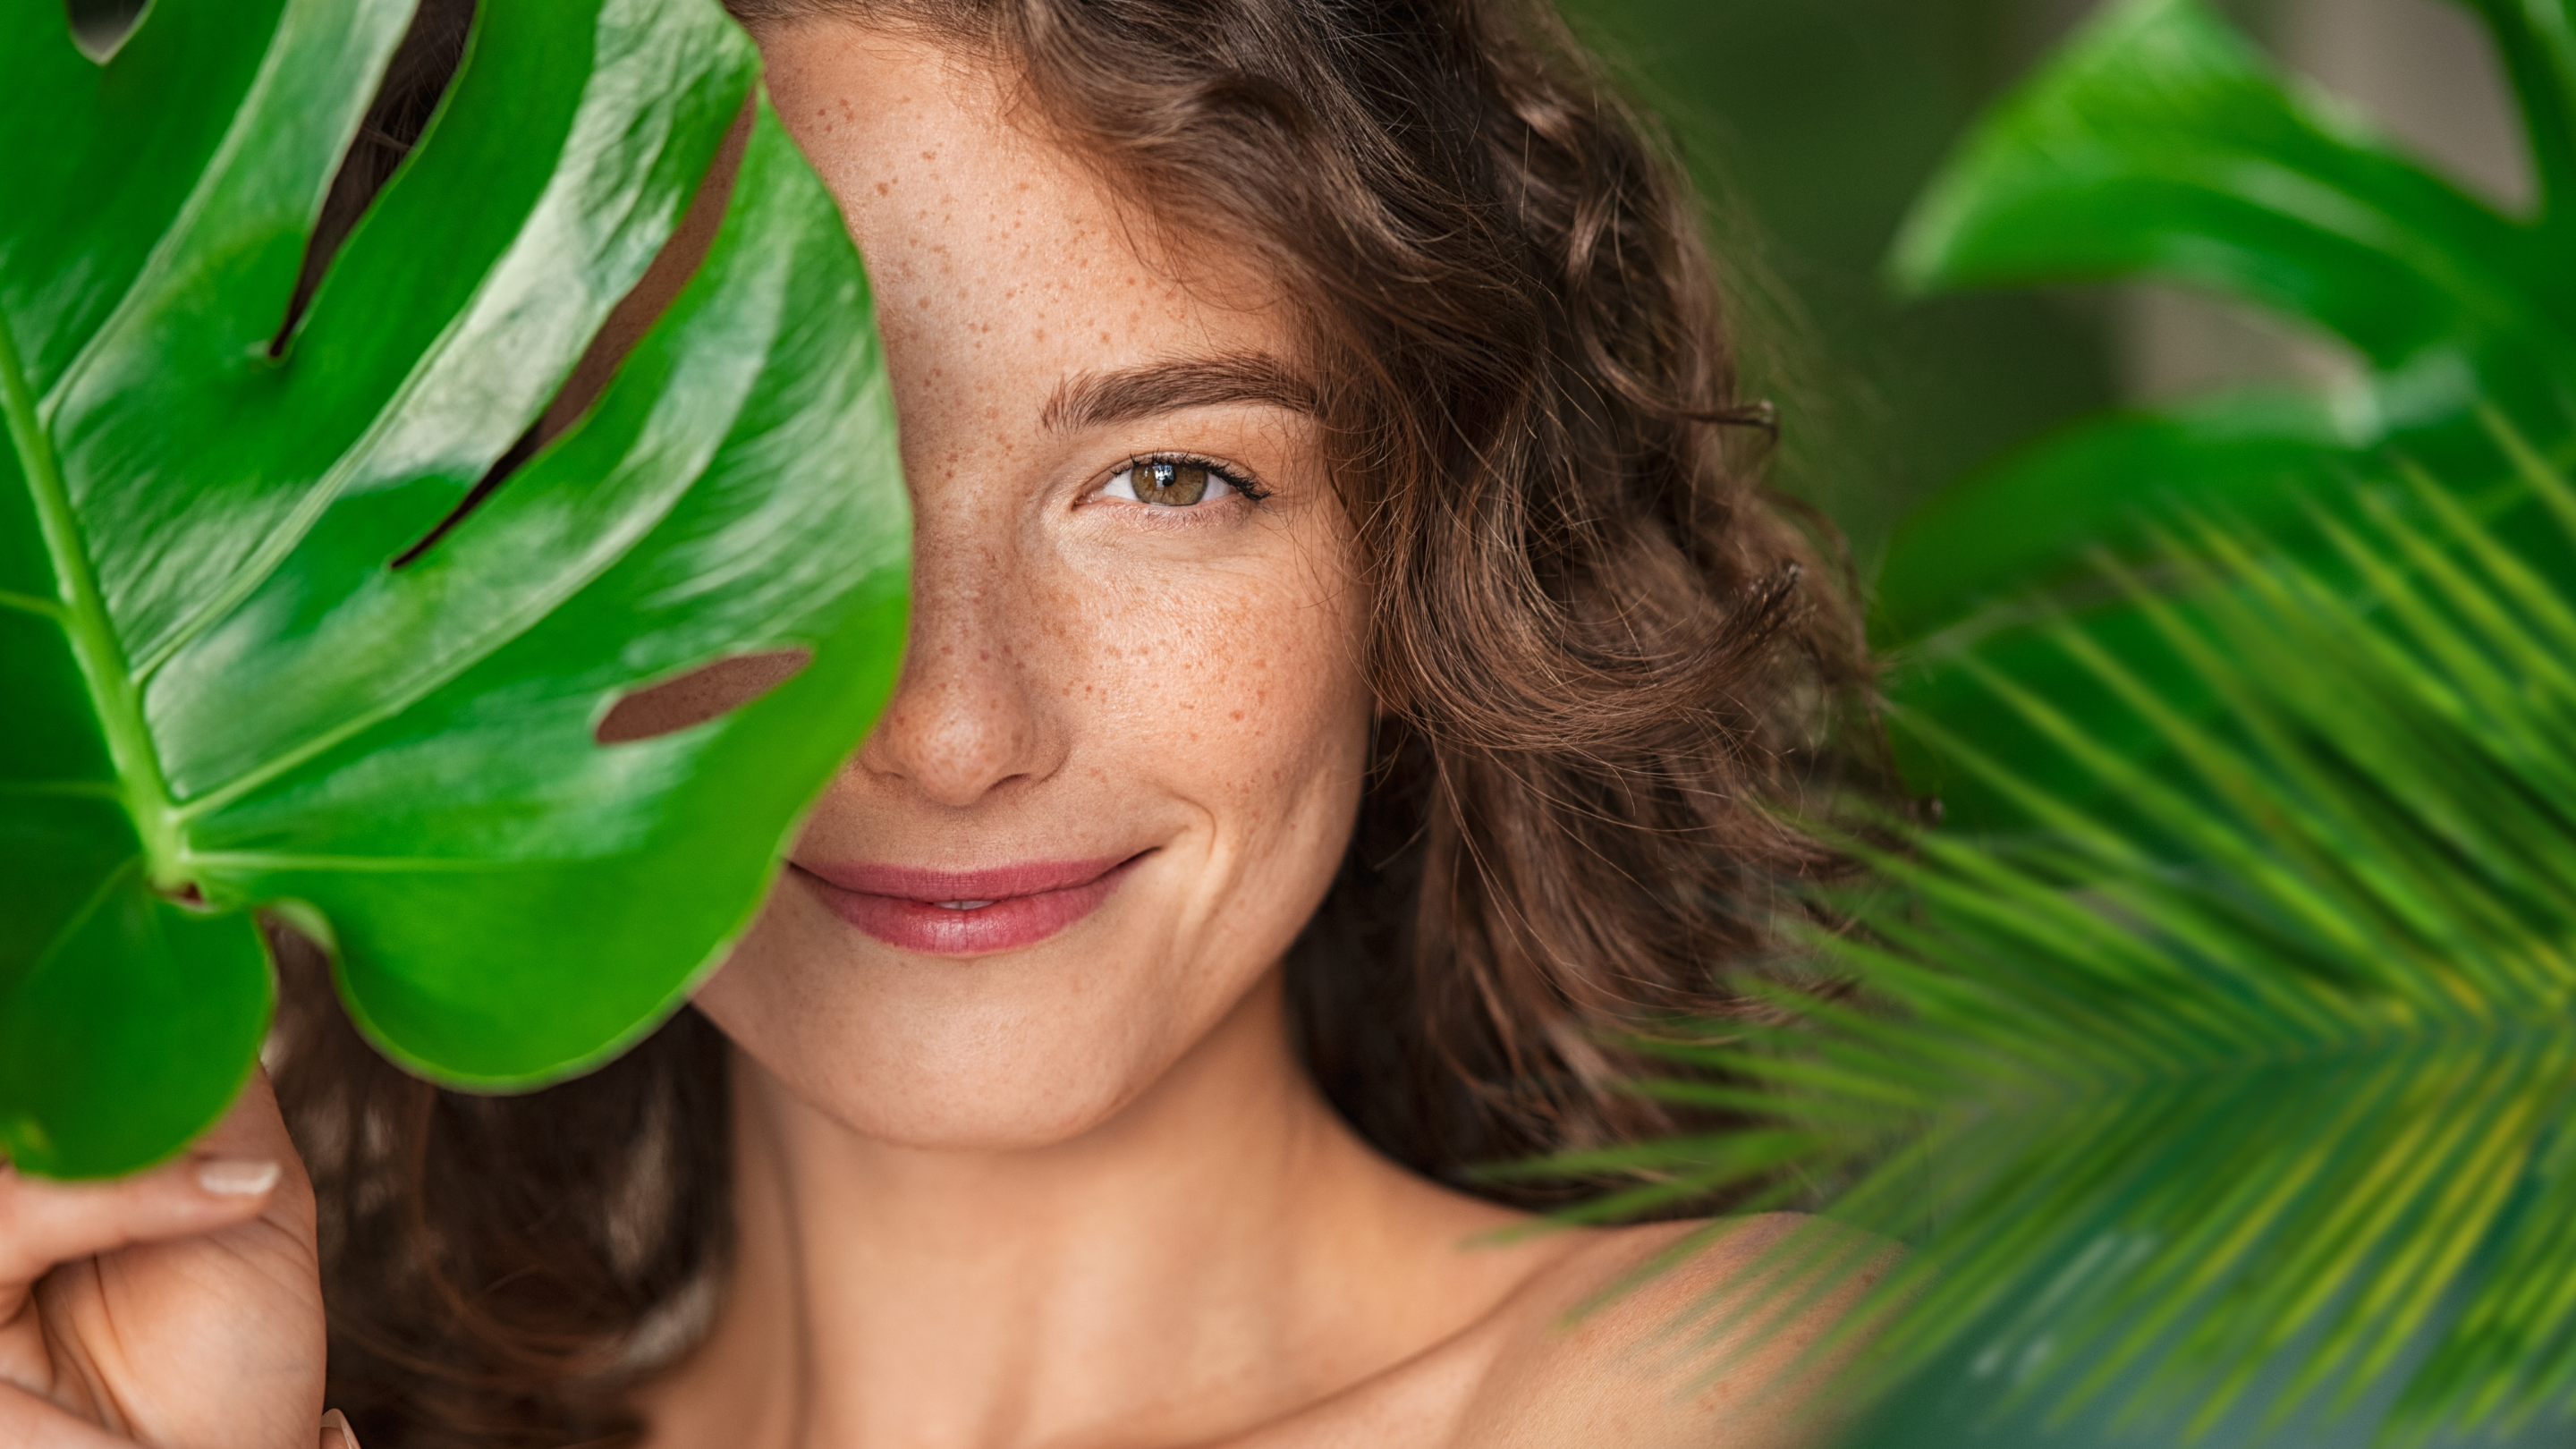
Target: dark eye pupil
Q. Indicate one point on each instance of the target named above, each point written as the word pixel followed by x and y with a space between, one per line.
pixel 1177 484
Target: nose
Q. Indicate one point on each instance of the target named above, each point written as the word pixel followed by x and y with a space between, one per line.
pixel 967 717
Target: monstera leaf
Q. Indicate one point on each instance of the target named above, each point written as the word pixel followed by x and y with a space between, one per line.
pixel 2161 144
pixel 285 624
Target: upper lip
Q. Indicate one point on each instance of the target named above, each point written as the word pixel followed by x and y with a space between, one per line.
pixel 997 883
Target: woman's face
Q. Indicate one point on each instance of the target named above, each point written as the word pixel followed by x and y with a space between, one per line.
pixel 1132 716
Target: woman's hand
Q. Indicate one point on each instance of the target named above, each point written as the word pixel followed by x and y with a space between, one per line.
pixel 180 1307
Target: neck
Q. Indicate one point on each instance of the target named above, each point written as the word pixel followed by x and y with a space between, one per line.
pixel 1217 1253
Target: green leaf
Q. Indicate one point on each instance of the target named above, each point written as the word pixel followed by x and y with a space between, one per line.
pixel 227 694
pixel 2027 522
pixel 2161 144
pixel 2255 1088
pixel 2538 41
pixel 2160 141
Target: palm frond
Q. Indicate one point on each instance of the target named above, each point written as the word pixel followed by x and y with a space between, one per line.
pixel 2257 1079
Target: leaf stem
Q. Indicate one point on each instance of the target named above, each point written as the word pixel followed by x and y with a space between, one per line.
pixel 30 604
pixel 84 617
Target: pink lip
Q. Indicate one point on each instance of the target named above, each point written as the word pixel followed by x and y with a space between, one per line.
pixel 1026 903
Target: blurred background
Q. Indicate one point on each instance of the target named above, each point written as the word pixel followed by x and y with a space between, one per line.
pixel 1811 125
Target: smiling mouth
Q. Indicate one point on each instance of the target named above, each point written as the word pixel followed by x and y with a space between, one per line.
pixel 968 913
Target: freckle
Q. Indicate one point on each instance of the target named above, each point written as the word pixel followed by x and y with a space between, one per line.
pixel 883 187
pixel 929 155
pixel 1236 716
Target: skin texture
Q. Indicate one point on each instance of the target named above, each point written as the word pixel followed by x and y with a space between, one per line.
pixel 1074 1193
pixel 181 1306
pixel 1081 1193
pixel 1087 677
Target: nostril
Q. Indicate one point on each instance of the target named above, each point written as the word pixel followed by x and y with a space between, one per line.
pixel 698 696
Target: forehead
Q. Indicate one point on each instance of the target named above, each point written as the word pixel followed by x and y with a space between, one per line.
pixel 991 245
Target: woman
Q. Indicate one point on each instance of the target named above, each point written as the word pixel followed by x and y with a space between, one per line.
pixel 1351 675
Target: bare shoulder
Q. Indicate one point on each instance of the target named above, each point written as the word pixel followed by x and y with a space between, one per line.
pixel 1716 1351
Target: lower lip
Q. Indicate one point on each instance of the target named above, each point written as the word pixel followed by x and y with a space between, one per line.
pixel 1005 925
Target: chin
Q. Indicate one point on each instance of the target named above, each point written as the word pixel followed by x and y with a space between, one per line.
pixel 1013 1052
pixel 964 1111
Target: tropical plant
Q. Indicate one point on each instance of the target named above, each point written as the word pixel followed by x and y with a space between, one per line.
pixel 2286 1102
pixel 286 625
pixel 2162 144
pixel 2234 1068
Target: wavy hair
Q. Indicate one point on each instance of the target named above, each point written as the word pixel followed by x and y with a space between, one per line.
pixel 1615 674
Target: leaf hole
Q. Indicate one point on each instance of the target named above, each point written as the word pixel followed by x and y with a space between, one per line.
pixel 100 27
pixel 493 477
pixel 416 80
pixel 702 694
pixel 626 324
pixel 653 293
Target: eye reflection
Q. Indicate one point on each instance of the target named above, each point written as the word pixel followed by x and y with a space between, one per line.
pixel 1169 483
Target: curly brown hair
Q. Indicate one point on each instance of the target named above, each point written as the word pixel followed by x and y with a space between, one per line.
pixel 1616 675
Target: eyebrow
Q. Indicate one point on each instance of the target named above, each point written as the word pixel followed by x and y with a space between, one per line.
pixel 1092 398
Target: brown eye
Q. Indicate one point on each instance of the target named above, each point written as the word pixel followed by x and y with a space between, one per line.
pixel 1168 484
pixel 1173 483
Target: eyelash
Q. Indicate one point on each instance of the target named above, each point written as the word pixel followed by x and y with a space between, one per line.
pixel 1243 486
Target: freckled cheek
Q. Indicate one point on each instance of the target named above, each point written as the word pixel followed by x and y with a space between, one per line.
pixel 1239 703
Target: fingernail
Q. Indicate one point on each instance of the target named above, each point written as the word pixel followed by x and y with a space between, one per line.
pixel 336 1433
pixel 236 1176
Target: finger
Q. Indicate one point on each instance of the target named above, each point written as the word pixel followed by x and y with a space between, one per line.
pixel 28 1422
pixel 336 1433
pixel 251 1128
pixel 254 1131
pixel 43 1223
pixel 245 1166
